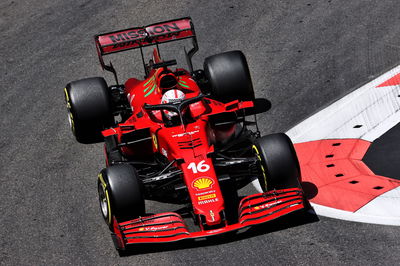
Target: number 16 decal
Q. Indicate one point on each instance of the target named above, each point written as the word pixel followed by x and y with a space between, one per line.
pixel 200 167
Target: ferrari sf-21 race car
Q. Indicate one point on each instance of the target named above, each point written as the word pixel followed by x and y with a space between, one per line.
pixel 187 137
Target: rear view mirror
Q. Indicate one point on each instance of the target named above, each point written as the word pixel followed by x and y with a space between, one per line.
pixel 261 105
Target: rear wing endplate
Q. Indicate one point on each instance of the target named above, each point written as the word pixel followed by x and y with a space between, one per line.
pixel 139 37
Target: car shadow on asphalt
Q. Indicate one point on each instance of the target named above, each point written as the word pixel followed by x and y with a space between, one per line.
pixel 294 219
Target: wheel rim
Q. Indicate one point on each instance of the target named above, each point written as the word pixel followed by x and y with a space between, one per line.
pixel 70 117
pixel 71 122
pixel 103 201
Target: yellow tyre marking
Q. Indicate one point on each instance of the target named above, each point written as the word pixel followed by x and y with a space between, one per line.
pixel 67 98
pixel 71 118
pixel 104 185
pixel 262 167
pixel 102 180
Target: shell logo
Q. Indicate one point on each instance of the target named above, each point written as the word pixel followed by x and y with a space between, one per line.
pixel 203 183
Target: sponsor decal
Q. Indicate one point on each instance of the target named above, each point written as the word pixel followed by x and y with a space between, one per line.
pixel 202 183
pixel 153 228
pixel 207 201
pixel 134 35
pixel 163 28
pixel 164 152
pixel 267 205
pixel 143 36
pixel 184 134
pixel 123 40
pixel 128 35
pixel 205 192
pixel 206 197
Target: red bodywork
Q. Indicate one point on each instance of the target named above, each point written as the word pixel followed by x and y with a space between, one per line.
pixel 170 227
pixel 190 145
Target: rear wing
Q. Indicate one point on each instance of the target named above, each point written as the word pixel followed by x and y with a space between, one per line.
pixel 139 37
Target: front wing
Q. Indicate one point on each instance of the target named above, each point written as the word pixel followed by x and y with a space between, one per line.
pixel 170 227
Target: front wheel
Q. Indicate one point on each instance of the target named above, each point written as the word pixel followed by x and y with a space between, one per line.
pixel 120 194
pixel 278 163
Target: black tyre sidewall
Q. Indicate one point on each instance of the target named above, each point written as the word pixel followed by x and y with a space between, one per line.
pixel 229 77
pixel 279 160
pixel 125 192
pixel 88 101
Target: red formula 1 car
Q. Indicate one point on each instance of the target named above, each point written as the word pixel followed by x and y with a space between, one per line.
pixel 183 137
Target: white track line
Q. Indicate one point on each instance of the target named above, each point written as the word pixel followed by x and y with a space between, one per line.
pixel 376 109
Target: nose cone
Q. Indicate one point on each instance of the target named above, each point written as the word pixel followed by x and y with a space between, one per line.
pixel 213 218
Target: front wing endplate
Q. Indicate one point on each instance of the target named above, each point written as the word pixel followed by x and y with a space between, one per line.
pixel 170 227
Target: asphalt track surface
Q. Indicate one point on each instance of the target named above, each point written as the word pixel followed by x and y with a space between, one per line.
pixel 302 56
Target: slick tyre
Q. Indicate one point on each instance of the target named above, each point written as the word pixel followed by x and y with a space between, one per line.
pixel 120 194
pixel 89 108
pixel 228 77
pixel 279 166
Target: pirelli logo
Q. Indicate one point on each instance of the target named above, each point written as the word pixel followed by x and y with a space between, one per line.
pixel 206 197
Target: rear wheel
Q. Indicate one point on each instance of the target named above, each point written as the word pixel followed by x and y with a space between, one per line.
pixel 228 76
pixel 120 194
pixel 278 162
pixel 89 108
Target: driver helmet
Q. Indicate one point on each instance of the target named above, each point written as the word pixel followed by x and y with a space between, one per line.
pixel 172 96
